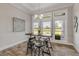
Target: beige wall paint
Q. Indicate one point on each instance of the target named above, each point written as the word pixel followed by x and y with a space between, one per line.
pixel 7 37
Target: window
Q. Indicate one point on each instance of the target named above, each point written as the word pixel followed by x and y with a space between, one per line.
pixel 35 28
pixel 58 29
pixel 46 28
pixel 42 24
pixel 50 24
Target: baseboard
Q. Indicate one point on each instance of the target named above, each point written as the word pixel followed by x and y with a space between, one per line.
pixel 62 42
pixel 77 49
pixel 3 48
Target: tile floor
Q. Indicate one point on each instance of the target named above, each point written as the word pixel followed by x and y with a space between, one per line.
pixel 58 50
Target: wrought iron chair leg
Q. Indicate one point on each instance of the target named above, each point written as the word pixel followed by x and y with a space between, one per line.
pixel 38 51
pixel 27 50
pixel 50 44
pixel 35 52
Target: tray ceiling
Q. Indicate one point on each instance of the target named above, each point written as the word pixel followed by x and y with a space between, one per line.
pixel 32 8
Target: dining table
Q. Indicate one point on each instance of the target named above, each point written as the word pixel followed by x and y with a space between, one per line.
pixel 38 43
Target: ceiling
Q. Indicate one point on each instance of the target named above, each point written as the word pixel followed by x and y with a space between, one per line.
pixel 32 8
pixel 36 6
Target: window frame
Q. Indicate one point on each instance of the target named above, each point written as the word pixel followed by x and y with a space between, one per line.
pixel 35 21
pixel 50 26
pixel 63 28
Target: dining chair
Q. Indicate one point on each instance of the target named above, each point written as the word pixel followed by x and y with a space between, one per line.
pixel 30 45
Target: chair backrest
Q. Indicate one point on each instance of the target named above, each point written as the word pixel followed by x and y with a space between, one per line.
pixel 44 40
pixel 30 41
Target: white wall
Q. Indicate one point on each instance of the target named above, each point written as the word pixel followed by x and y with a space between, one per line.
pixel 76 34
pixel 7 37
pixel 70 25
